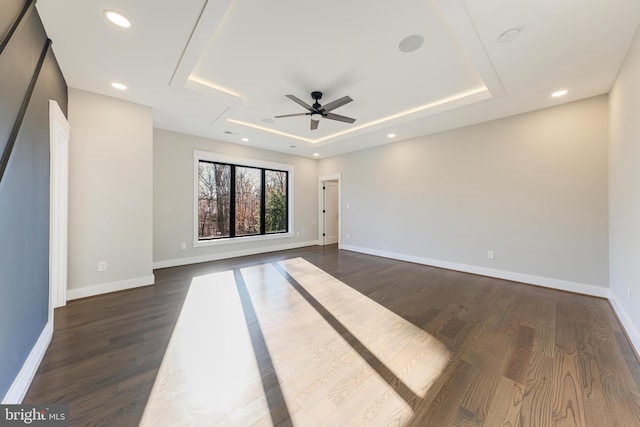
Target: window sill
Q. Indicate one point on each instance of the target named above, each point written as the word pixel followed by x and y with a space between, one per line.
pixel 235 240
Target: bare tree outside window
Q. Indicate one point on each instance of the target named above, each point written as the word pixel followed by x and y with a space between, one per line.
pixel 248 195
pixel 214 181
pixel 275 201
pixel 237 201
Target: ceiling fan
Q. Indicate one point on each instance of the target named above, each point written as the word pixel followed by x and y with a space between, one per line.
pixel 317 111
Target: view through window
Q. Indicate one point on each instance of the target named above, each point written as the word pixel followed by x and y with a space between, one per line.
pixel 237 200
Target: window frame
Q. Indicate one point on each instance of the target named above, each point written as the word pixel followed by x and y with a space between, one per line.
pixel 207 156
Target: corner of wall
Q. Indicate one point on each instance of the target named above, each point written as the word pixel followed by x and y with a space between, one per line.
pixel 20 386
pixel 629 327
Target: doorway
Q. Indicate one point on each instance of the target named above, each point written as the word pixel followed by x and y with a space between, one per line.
pixel 59 135
pixel 329 216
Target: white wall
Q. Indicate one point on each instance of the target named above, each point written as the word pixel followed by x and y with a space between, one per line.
pixel 624 192
pixel 110 194
pixel 174 200
pixel 532 188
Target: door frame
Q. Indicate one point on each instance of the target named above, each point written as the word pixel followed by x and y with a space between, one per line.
pixel 321 181
pixel 59 136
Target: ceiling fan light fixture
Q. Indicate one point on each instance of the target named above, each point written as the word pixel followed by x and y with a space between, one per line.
pixel 317 111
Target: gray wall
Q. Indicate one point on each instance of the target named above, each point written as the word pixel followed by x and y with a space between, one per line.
pixel 624 193
pixel 24 191
pixel 173 199
pixel 110 191
pixel 532 188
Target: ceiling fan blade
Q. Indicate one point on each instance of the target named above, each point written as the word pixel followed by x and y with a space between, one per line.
pixel 299 101
pixel 339 118
pixel 337 103
pixel 291 115
pixel 314 124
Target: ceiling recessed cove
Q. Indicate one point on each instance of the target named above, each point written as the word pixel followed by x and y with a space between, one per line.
pixel 411 43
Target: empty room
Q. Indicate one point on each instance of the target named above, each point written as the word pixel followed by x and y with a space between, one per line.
pixel 243 213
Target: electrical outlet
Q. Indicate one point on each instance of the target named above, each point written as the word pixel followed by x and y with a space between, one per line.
pixel 628 293
pixel 491 254
pixel 102 265
pixel 347 236
pixel 298 234
pixel 183 246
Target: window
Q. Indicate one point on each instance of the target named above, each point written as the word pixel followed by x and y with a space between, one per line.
pixel 240 200
pixel 214 197
pixel 275 216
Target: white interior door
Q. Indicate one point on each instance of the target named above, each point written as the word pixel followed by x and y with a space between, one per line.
pixel 59 134
pixel 330 211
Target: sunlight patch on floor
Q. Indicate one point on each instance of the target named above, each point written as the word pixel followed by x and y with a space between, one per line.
pixel 319 370
pixel 387 335
pixel 209 366
pixel 333 356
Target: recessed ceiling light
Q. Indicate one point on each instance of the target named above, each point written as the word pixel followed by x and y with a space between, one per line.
pixel 391 135
pixel 509 35
pixel 411 43
pixel 559 93
pixel 245 139
pixel 117 18
pixel 118 86
pixel 268 120
pixel 316 154
pixel 292 146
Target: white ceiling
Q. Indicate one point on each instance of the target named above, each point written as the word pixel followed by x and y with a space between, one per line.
pixel 221 69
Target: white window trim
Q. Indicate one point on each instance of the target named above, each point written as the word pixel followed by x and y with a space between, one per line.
pixel 241 161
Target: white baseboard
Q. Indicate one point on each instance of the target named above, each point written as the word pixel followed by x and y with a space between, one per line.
pixel 546 282
pixel 22 382
pixel 231 254
pixel 627 324
pixel 104 288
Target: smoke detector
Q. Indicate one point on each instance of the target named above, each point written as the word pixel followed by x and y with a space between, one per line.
pixel 509 35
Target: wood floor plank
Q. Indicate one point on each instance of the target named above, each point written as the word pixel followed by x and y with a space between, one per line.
pixel 323 337
pixel 517 363
pixel 537 401
pixel 482 388
pixel 506 404
pixel 568 397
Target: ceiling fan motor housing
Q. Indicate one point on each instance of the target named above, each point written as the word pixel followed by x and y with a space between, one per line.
pixel 316 105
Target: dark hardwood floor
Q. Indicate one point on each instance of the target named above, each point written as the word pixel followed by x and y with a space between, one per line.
pixel 321 337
